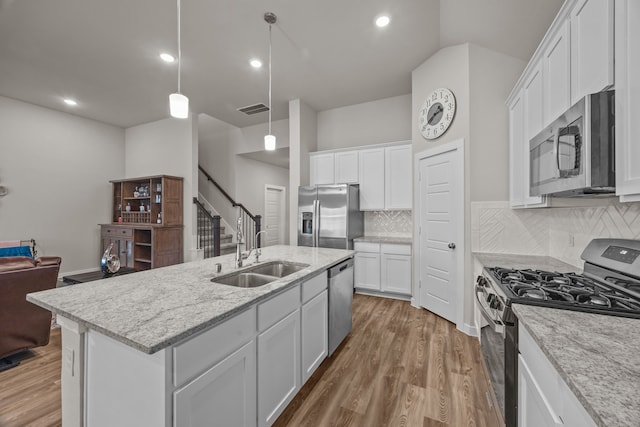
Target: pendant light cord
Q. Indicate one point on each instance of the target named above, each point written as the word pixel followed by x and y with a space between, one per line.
pixel 179 49
pixel 269 78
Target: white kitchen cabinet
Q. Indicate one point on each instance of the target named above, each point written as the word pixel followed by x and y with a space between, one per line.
pixel 367 270
pixel 345 167
pixel 627 75
pixel 534 408
pixel 395 269
pixel 397 176
pixel 544 399
pixel 372 179
pixel 533 104
pixel 556 76
pixel 321 168
pixel 382 268
pixel 315 333
pixel 278 368
pixel 592 47
pixel 225 393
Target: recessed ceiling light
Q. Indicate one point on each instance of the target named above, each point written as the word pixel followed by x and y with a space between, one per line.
pixel 382 21
pixel 255 63
pixel 70 101
pixel 166 57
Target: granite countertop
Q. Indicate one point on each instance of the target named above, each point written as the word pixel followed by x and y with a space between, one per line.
pixel 151 310
pixel 539 262
pixel 596 355
pixel 385 239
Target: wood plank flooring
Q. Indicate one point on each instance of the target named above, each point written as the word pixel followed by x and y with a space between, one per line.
pixel 400 366
pixel 30 392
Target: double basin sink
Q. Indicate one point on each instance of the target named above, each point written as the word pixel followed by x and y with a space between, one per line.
pixel 260 274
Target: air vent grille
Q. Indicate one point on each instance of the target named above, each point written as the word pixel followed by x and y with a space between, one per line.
pixel 253 109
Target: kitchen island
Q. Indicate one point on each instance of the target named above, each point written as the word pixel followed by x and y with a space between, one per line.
pixel 168 346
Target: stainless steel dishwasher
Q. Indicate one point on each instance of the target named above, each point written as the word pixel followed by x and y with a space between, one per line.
pixel 340 299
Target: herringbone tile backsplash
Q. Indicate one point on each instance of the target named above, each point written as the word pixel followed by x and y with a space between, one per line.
pixel 559 232
pixel 388 223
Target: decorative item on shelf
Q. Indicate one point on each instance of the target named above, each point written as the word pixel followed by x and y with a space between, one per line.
pixel 141 208
pixel 158 198
pixel 128 207
pixel 158 187
pixel 270 139
pixel 159 221
pixel 136 193
pixel 119 206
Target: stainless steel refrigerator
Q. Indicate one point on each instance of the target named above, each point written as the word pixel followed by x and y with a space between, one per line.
pixel 329 216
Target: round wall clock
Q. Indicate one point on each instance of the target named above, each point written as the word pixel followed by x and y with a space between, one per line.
pixel 436 114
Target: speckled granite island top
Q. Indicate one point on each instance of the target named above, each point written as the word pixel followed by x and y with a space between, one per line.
pixel 151 310
pixel 598 357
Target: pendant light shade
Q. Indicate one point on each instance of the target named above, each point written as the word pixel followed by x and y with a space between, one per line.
pixel 179 106
pixel 270 140
pixel 178 103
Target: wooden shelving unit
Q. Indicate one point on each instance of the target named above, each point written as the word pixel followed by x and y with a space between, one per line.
pixel 146 227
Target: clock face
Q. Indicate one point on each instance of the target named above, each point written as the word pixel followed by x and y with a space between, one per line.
pixel 436 114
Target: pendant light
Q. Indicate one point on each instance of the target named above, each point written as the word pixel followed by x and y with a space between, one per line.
pixel 178 103
pixel 270 140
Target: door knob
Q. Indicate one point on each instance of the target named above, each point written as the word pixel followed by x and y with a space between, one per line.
pixel 451 245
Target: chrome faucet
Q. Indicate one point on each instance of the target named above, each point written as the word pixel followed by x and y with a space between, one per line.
pixel 258 251
pixel 239 238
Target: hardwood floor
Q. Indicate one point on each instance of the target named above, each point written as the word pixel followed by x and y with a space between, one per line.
pixel 30 392
pixel 400 366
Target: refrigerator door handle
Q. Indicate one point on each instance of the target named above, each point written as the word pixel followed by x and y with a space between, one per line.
pixel 316 223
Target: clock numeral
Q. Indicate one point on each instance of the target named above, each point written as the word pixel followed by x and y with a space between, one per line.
pixel 434 96
pixel 450 106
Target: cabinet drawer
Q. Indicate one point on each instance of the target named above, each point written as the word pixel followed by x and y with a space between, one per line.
pixel 314 286
pixel 277 308
pixel 366 247
pixel 208 348
pixel 396 249
pixel 117 232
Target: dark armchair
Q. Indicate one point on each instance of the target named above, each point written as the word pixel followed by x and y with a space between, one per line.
pixel 24 325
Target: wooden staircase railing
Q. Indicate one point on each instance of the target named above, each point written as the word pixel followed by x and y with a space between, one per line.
pixel 251 224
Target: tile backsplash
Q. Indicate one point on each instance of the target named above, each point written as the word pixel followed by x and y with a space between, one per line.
pixel 561 233
pixel 388 223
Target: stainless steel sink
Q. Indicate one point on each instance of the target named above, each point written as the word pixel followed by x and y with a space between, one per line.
pixel 278 268
pixel 259 275
pixel 244 280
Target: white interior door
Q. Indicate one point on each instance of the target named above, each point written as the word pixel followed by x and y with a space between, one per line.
pixel 274 215
pixel 440 231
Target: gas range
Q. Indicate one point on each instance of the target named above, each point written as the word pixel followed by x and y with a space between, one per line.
pixel 609 285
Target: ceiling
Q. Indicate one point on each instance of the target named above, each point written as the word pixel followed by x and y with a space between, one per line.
pixel 327 53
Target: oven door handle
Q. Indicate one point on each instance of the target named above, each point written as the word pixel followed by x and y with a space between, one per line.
pixel 499 328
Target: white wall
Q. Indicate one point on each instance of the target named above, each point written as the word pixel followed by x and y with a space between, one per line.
pixel 303 132
pixel 492 77
pixel 253 136
pixel 167 147
pixel 57 168
pixel 384 120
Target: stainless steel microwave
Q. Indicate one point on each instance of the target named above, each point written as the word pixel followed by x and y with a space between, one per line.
pixel 574 155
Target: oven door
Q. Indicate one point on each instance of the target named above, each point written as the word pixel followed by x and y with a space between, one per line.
pixel 492 342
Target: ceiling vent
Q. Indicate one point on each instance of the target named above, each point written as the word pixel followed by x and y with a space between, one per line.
pixel 254 109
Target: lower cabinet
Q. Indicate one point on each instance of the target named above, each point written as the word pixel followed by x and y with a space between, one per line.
pixel 225 393
pixel 278 368
pixel 315 333
pixel 544 399
pixel 383 268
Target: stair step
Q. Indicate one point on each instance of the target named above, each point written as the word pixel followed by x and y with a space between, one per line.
pixel 227 246
pixel 224 238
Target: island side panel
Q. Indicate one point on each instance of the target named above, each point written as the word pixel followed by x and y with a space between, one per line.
pixel 72 372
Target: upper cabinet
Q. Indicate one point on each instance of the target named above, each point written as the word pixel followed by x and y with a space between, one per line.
pixel 383 172
pixel 627 100
pixel 321 168
pixel 592 47
pixel 574 59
